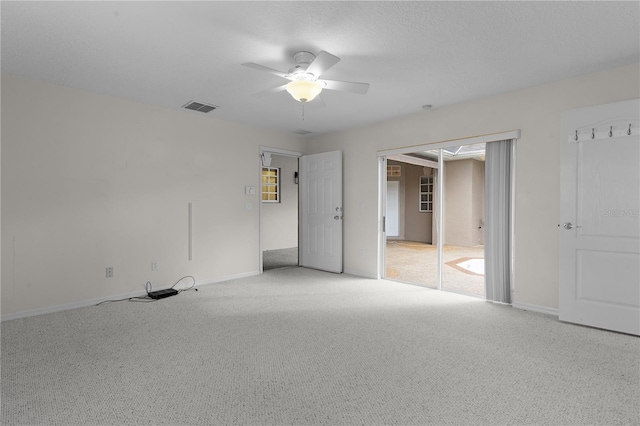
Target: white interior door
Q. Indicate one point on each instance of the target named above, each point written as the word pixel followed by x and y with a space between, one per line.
pixel 393 209
pixel 321 211
pixel 600 228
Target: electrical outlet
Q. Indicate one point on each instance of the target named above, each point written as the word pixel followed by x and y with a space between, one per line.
pixel 109 271
pixel 154 265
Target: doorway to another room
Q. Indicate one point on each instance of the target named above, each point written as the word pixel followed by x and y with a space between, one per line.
pixel 411 254
pixel 279 204
pixel 300 210
pixel 456 241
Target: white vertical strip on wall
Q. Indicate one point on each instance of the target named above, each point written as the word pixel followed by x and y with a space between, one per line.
pixel 190 233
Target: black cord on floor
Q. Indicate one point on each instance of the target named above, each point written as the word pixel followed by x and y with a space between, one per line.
pixel 130 299
pixel 193 285
pixel 149 288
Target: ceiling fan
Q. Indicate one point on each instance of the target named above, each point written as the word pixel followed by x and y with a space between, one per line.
pixel 305 83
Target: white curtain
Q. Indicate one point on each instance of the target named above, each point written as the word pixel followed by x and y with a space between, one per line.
pixel 497 207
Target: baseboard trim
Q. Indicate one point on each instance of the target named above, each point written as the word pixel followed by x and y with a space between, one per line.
pixel 536 308
pixel 91 302
pixel 226 278
pixel 68 306
pixel 360 274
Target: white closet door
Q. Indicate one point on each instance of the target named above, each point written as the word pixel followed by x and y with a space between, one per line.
pixel 599 221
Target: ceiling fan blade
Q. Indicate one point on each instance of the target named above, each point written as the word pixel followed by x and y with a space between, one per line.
pixel 321 63
pixel 267 69
pixel 269 91
pixel 346 86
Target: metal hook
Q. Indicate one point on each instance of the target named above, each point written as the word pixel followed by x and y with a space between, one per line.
pixel 576 136
pixel 610 131
pixel 629 131
pixel 593 133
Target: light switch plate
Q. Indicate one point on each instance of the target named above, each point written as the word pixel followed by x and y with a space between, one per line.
pixel 249 190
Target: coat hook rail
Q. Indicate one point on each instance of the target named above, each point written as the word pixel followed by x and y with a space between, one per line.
pixel 600 134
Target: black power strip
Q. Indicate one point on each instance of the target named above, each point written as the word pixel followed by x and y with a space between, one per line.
pixel 161 294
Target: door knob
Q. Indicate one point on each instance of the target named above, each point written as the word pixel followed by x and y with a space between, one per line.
pixel 568 225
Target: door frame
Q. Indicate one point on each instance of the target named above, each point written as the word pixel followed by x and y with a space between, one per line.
pixel 382 188
pixel 284 153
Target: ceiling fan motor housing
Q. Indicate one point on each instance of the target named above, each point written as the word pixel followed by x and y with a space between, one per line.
pixel 302 59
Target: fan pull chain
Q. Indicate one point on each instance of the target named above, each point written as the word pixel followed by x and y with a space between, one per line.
pixel 302 111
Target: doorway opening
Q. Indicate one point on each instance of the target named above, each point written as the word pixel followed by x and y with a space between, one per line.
pixel 412 254
pixel 278 195
pixel 313 223
pixel 460 243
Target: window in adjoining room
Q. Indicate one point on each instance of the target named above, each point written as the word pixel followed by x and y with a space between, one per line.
pixel 270 185
pixel 426 194
pixel 394 171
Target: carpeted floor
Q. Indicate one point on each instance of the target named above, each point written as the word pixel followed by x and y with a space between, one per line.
pixel 295 346
pixel 281 258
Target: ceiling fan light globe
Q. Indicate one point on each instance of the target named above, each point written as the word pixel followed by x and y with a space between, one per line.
pixel 304 91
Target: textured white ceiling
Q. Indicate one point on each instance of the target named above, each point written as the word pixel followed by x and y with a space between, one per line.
pixel 411 53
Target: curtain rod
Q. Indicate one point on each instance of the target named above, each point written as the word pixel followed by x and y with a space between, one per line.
pixel 491 137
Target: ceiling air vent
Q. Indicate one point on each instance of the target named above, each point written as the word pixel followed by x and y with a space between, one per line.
pixel 199 106
pixel 301 132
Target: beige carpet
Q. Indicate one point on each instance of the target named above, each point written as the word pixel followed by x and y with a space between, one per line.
pixel 296 346
pixel 416 263
pixel 281 258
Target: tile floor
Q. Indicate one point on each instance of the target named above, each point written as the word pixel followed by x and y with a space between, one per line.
pixel 416 263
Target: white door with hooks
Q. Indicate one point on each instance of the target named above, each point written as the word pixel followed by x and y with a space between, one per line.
pixel 321 211
pixel 599 217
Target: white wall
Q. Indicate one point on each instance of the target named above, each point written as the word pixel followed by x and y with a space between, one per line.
pixel 280 220
pixel 90 181
pixel 537 113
